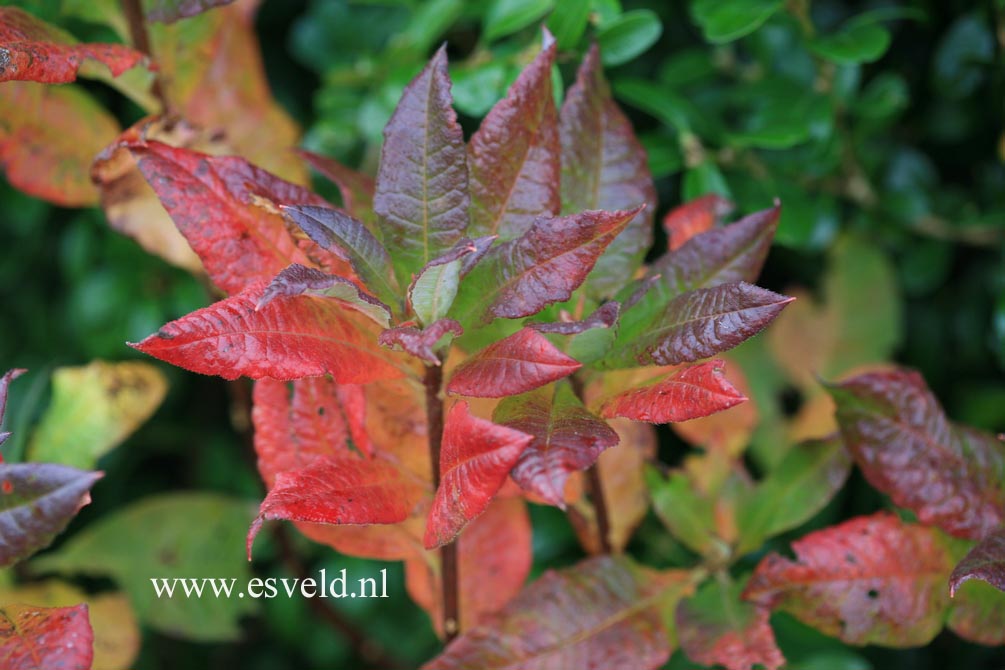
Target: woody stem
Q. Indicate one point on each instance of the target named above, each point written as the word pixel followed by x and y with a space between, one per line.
pixel 448 553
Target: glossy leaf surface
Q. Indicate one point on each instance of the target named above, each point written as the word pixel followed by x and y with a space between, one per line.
pixel 32 638
pixel 475 459
pixel 516 364
pixel 949 475
pixel 567 438
pixel 288 338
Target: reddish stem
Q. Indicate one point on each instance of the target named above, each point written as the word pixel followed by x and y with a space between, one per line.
pixel 448 553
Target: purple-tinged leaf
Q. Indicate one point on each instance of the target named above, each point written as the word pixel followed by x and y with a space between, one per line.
pixel 692 218
pixel 37 500
pixel 302 280
pixel 567 438
pixel 605 167
pixel 351 241
pixel 719 256
pixel 715 628
pixel 296 337
pixel 33 50
pixel 482 245
pixel 212 200
pixel 169 11
pixel 545 265
pixel 870 580
pixel 475 459
pixel 421 343
pixel 698 324
pixel 356 188
pixel 516 364
pixel 600 614
pixel 949 475
pixel 45 638
pixel 338 491
pixel 434 288
pixel 5 381
pixel 986 561
pixel 514 157
pixel 604 316
pixel 422 195
pixel 690 393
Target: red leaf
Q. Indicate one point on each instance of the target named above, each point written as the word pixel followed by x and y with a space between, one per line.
pixel 475 458
pixel 870 580
pixel 494 558
pixel 37 501
pixel 543 266
pixel 421 343
pixel 699 324
pixel 601 614
pixel 521 362
pixel 715 628
pixel 45 638
pixel 949 475
pixel 986 561
pixel 514 157
pixel 49 136
pixel 567 438
pixel 214 202
pixel 5 381
pixel 345 490
pixel 356 188
pixel 605 167
pixel 694 217
pixel 422 184
pixel 288 338
pixel 310 419
pixel 32 50
pixel 695 391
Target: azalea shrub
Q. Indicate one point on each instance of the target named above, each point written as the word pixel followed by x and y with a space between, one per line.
pixel 472 344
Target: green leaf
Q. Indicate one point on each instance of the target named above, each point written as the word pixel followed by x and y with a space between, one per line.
pixel 727 20
pixel 659 101
pixel 799 487
pixel 629 35
pixel 964 56
pixel 861 39
pixel 506 17
pixel 978 614
pixel 568 22
pixel 685 513
pixel 184 535
pixel 93 409
pixel 886 96
pixel 703 179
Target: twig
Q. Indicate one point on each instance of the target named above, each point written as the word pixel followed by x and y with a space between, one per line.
pixel 448 553
pixel 365 647
pixel 141 42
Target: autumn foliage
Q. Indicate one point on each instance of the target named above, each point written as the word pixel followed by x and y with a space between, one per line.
pixel 476 328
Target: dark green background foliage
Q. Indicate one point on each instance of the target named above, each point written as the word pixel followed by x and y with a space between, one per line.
pixel 878 119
